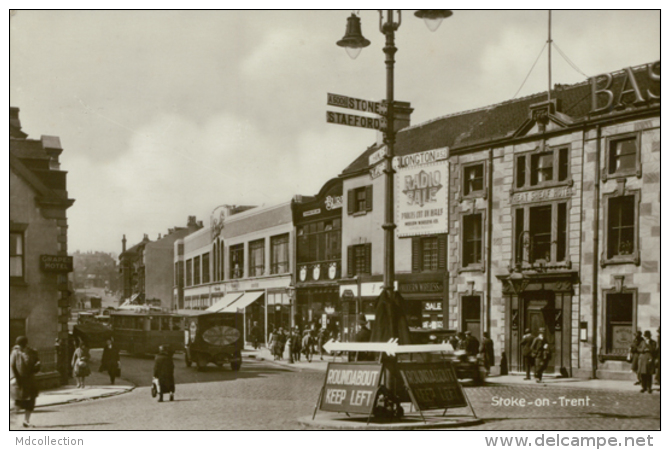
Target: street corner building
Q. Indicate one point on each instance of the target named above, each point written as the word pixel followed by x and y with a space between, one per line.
pixel 537 212
pixel 38 256
pixel 241 262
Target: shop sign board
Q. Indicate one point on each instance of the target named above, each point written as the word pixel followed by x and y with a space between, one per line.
pixel 541 195
pixel 422 198
pixel 350 387
pixel 56 263
pixel 433 385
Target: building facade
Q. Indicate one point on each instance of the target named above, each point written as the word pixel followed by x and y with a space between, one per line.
pixel 147 267
pixel 38 260
pixel 318 223
pixel 553 220
pixel 243 261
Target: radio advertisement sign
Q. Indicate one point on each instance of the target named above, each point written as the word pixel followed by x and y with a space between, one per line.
pixel 350 387
pixel 422 194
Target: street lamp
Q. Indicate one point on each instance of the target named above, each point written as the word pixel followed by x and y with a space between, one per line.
pixel 353 42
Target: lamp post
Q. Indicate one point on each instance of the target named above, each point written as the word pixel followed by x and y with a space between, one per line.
pixel 353 42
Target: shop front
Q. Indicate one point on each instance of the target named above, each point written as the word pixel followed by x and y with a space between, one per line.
pixel 536 301
pixel 318 307
pixel 425 298
pixel 358 296
pixel 278 310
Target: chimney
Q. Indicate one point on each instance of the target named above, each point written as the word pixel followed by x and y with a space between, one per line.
pixel 123 243
pixel 200 224
pixel 146 237
pixel 159 236
pixel 191 221
pixel 15 124
pixel 402 113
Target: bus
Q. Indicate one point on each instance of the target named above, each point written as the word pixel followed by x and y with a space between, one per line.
pixel 142 331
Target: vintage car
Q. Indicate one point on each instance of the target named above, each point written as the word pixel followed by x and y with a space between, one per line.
pixel 467 367
pixel 214 337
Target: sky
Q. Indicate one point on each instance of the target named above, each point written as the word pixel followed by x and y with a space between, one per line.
pixel 167 114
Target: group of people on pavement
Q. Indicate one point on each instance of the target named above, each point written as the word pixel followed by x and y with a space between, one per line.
pixel 297 344
pixel 484 351
pixel 645 358
pixel 536 353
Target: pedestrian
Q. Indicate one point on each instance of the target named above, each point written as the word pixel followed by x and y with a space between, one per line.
pixel 307 345
pixel 487 353
pixel 255 334
pixel 80 365
pixel 24 363
pixel 363 335
pixel 164 373
pixel 296 345
pixel 526 344
pixel 541 353
pixel 278 344
pixel 645 363
pixel 471 344
pixel 657 359
pixel 111 362
pixel 323 338
pixel 634 355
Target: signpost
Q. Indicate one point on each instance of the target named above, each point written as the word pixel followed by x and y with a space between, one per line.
pixel 352 120
pixel 350 388
pixel 434 386
pixel 357 104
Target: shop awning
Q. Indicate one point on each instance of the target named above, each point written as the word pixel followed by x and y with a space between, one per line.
pixel 225 301
pixel 247 299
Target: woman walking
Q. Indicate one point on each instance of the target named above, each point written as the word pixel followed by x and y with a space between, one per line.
pixel 80 367
pixel 110 360
pixel 164 373
pixel 645 361
pixel 23 365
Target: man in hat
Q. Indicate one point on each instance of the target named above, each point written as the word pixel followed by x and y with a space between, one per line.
pixel 637 339
pixel 541 353
pixel 363 335
pixel 526 344
pixel 645 364
pixel 471 344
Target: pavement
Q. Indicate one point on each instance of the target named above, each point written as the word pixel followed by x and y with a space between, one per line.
pixel 98 385
pixel 318 364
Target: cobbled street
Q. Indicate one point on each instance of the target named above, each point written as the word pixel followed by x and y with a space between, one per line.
pixel 265 396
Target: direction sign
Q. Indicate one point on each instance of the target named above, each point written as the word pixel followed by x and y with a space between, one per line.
pixel 357 104
pixel 433 385
pixel 350 387
pixel 377 170
pixel 390 348
pixel 352 120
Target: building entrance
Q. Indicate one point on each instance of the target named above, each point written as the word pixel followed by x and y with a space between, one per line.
pixel 539 313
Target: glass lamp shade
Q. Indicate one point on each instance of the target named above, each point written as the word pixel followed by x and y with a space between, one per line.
pixel 353 40
pixel 433 17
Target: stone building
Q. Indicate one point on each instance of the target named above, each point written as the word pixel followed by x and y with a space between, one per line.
pixel 553 217
pixel 38 260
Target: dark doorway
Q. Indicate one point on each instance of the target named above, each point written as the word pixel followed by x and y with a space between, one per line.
pixel 539 306
pixel 471 314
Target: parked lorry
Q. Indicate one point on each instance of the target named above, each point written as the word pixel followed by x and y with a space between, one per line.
pixel 213 337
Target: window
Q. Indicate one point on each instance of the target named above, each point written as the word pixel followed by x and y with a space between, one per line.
pixel 541 233
pixel 429 253
pixel 473 179
pixel 257 258
pixel 619 328
pixel 236 261
pixel 359 200
pixel 621 227
pixel 205 268
pixel 279 254
pixel 196 270
pixel 623 158
pixel 16 255
pixel 359 259
pixel 189 272
pixel 542 169
pixel 320 241
pixel 472 239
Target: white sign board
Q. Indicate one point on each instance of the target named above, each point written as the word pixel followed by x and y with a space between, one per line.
pixel 422 199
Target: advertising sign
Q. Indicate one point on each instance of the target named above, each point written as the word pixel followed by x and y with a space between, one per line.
pixel 433 385
pixel 422 196
pixel 350 387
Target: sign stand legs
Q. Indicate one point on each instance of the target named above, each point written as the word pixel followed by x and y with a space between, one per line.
pixel 468 400
pixel 415 404
pixel 318 402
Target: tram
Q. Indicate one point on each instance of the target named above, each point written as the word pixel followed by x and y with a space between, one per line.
pixel 141 331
